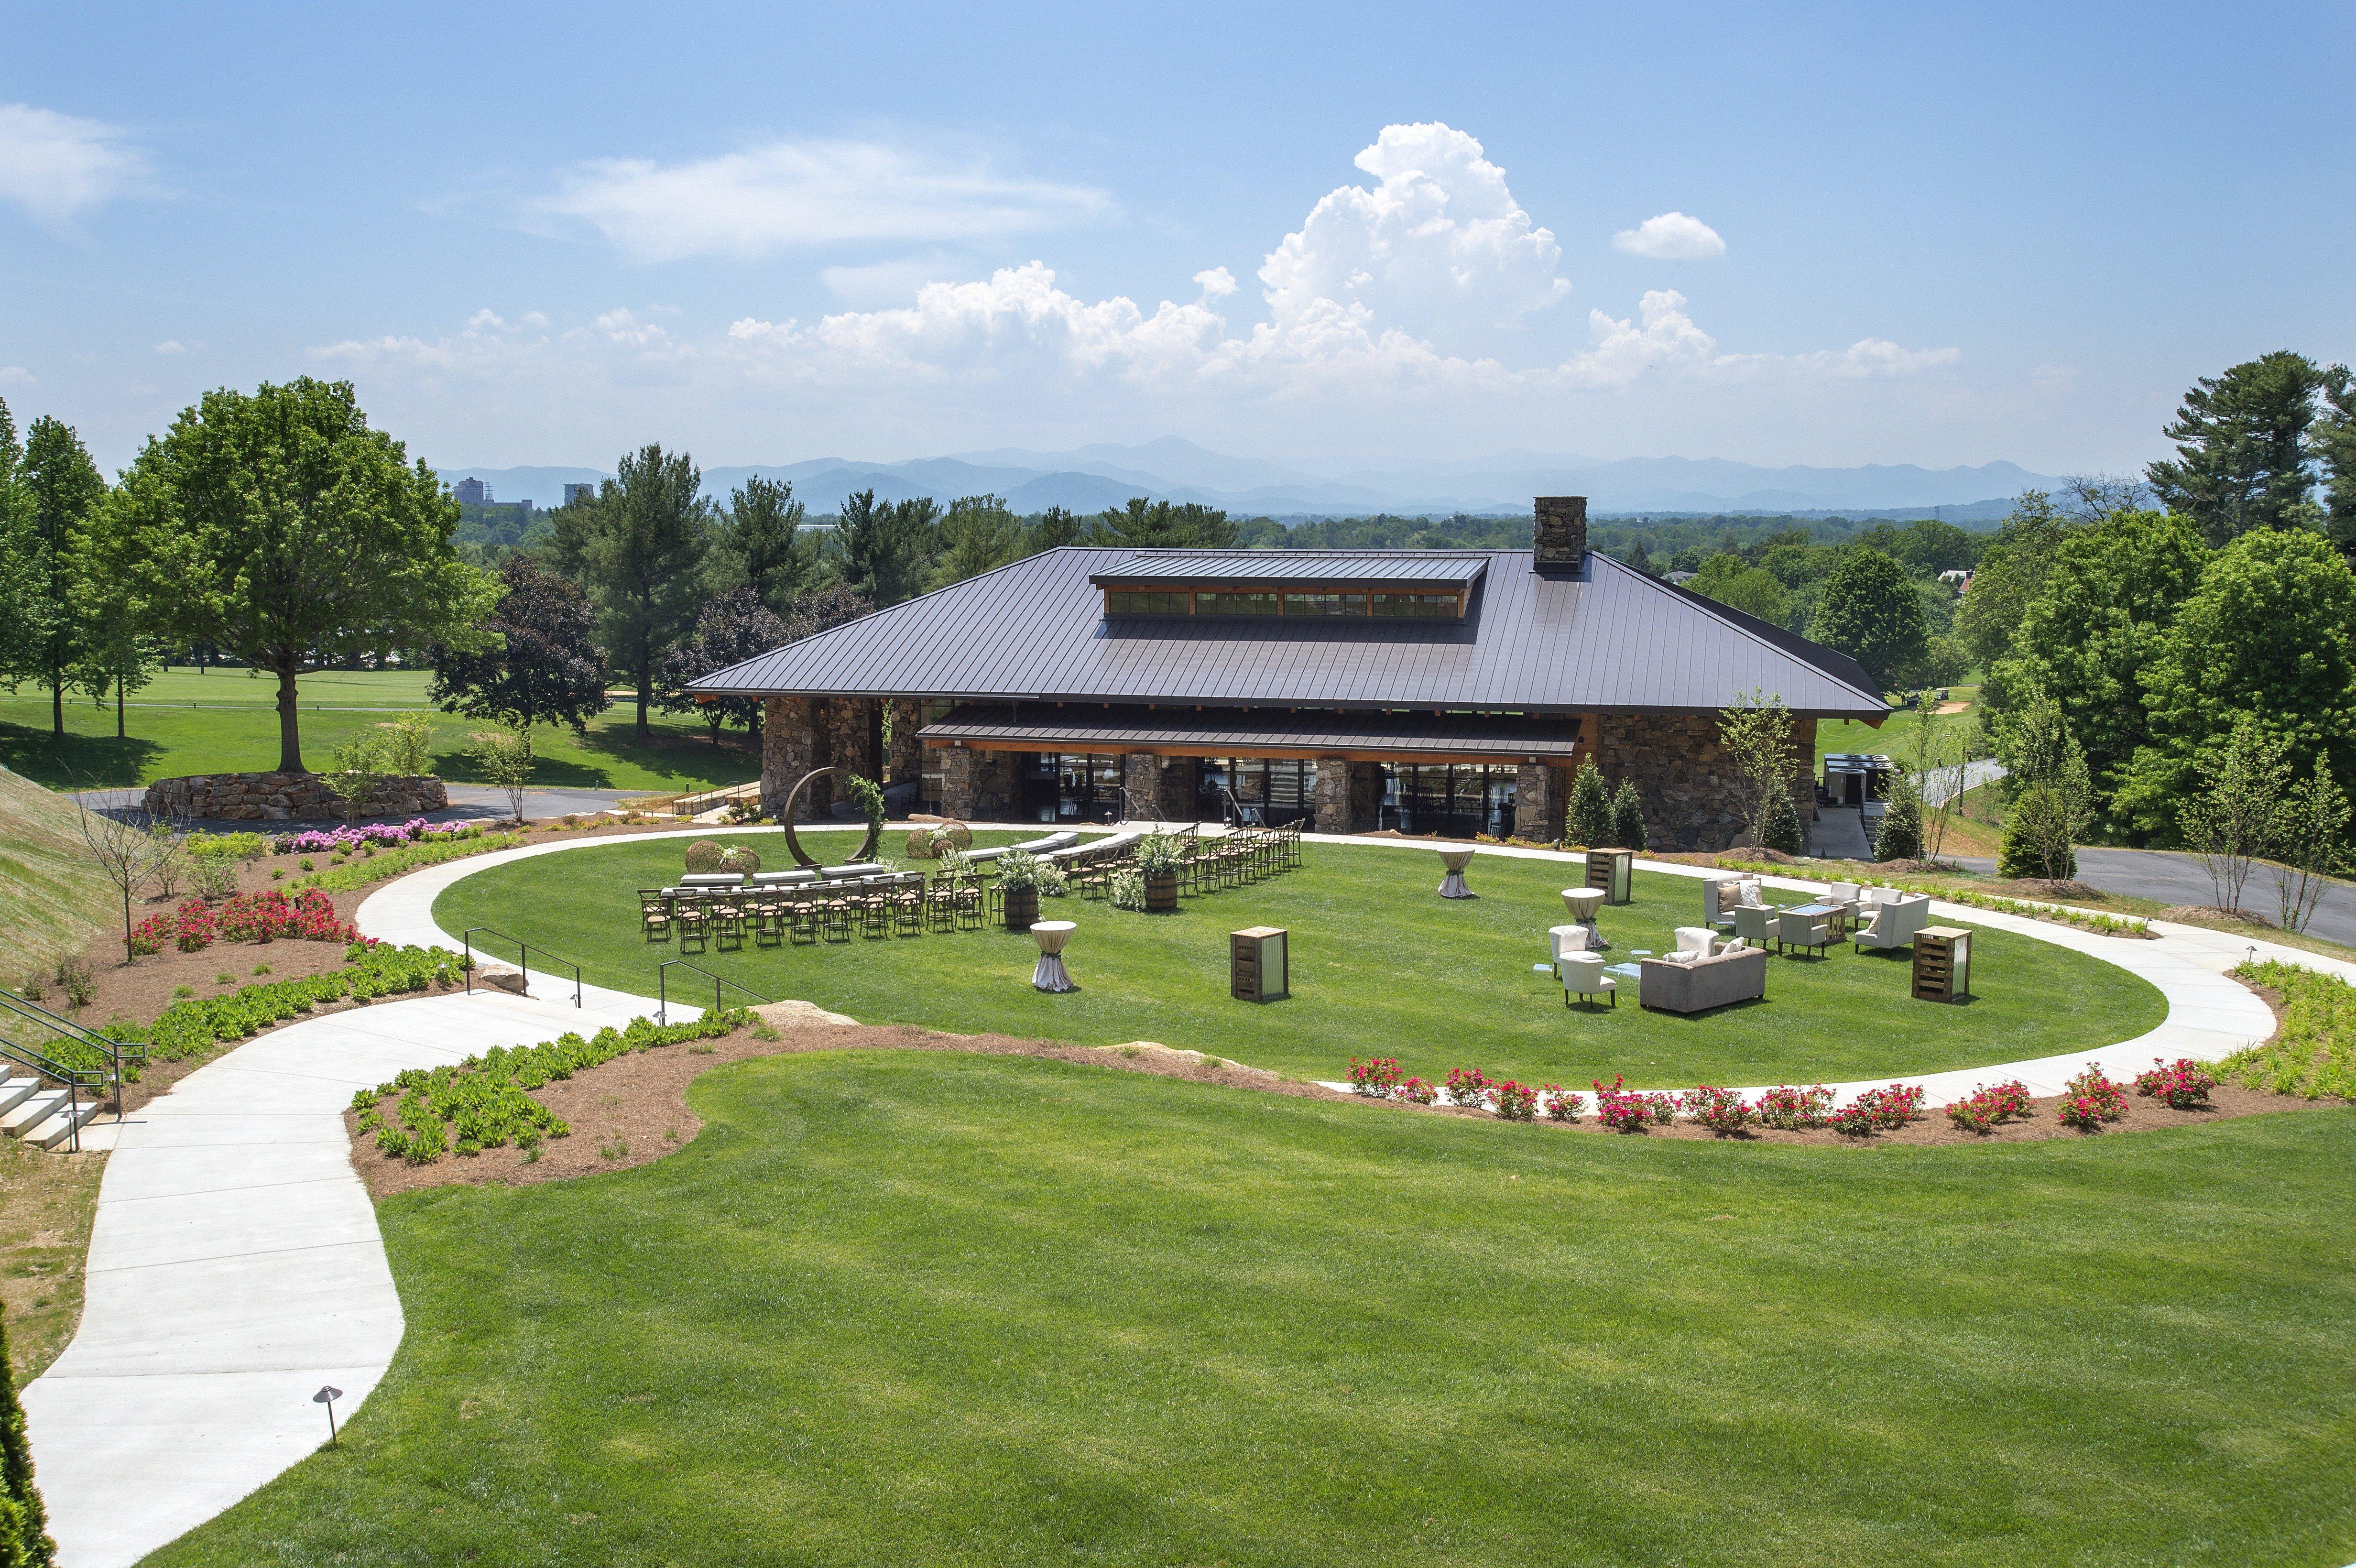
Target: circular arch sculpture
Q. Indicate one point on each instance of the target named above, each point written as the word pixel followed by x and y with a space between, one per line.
pixel 793 804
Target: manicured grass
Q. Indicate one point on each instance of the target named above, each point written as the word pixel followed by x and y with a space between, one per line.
pixel 1380 965
pixel 226 721
pixel 956 1311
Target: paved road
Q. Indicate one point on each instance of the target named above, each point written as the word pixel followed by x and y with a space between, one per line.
pixel 2178 878
pixel 467 803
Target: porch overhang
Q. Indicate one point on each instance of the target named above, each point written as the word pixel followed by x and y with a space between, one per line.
pixel 1128 728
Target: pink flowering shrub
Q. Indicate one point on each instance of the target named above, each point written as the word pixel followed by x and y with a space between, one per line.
pixel 150 934
pixel 1854 1120
pixel 1790 1108
pixel 192 926
pixel 1418 1090
pixel 1619 1110
pixel 1466 1086
pixel 1561 1104
pixel 375 836
pixel 1662 1106
pixel 1514 1102
pixel 2090 1100
pixel 1374 1078
pixel 1982 1109
pixel 2180 1085
pixel 1722 1111
pixel 1894 1106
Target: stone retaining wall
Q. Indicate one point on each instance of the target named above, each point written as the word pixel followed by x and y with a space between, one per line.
pixel 285 797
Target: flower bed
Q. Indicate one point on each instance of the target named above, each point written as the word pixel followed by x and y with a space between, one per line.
pixel 2313 1053
pixel 264 916
pixel 485 1101
pixel 1985 1109
pixel 191 1028
pixel 375 836
pixel 390 863
pixel 2090 1100
pixel 2182 1084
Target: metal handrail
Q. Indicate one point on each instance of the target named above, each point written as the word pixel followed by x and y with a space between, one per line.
pixel 67 1030
pixel 662 987
pixel 73 1080
pixel 524 957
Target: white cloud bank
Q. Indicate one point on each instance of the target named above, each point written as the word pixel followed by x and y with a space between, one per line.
pixel 56 166
pixel 1671 237
pixel 1395 301
pixel 788 195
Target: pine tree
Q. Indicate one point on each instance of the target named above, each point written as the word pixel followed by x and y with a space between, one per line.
pixel 2037 837
pixel 24 1524
pixel 1901 834
pixel 1589 821
pixel 1783 830
pixel 1627 829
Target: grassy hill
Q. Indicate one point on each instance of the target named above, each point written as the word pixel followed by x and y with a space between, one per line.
pixel 51 896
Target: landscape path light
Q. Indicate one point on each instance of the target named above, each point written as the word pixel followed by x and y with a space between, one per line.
pixel 327 1396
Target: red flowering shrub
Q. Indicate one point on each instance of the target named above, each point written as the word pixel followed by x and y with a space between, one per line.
pixel 1561 1104
pixel 1722 1111
pixel 1375 1078
pixel 1854 1120
pixel 1514 1102
pixel 1420 1091
pixel 192 926
pixel 150 934
pixel 267 915
pixel 2180 1085
pixel 1790 1108
pixel 1894 1106
pixel 2108 1100
pixel 1662 1106
pixel 1620 1110
pixel 1980 1111
pixel 2011 1100
pixel 1466 1086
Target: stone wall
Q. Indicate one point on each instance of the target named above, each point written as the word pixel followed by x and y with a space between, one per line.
pixel 1163 787
pixel 789 748
pixel 907 758
pixel 853 728
pixel 1541 796
pixel 1347 794
pixel 285 797
pixel 1691 794
pixel 977 786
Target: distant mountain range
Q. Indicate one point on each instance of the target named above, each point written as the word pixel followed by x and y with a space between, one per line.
pixel 1091 478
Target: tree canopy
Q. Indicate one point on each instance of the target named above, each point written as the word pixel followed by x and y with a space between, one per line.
pixel 2245 442
pixel 884 548
pixel 729 629
pixel 540 663
pixel 277 526
pixel 638 546
pixel 1164 525
pixel 1871 612
pixel 761 535
pixel 1736 583
pixel 57 493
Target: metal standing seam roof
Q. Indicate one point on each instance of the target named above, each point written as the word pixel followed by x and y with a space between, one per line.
pixel 1083 727
pixel 1605 639
pixel 1338 567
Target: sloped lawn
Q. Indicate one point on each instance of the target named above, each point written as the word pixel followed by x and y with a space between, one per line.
pixel 964 1310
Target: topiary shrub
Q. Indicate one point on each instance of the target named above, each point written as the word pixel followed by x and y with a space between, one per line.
pixel 1627 823
pixel 740 858
pixel 1899 837
pixel 703 855
pixel 1783 832
pixel 1589 820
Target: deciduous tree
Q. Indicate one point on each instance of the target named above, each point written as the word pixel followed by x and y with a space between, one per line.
pixel 1736 583
pixel 277 526
pixel 539 665
pixel 638 548
pixel 1871 612
pixel 2009 579
pixel 59 491
pixel 730 628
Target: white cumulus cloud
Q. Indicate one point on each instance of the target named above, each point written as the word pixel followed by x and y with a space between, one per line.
pixel 1438 245
pixel 797 195
pixel 16 375
pixel 1671 237
pixel 173 346
pixel 58 166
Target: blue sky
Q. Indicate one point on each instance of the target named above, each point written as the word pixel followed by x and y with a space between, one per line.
pixel 1385 235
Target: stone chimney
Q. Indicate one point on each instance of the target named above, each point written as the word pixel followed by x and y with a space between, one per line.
pixel 1561 533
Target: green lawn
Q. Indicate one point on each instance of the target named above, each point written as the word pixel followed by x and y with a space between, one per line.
pixel 930 1309
pixel 226 720
pixel 1380 965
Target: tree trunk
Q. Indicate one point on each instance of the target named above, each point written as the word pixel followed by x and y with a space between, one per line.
pixel 57 705
pixel 290 726
pixel 118 705
pixel 646 696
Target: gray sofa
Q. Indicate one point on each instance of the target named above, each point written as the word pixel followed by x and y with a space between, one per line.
pixel 1704 984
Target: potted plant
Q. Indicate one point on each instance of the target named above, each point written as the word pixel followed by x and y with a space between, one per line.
pixel 1159 857
pixel 1022 877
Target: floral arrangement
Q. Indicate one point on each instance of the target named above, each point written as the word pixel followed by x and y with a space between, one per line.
pixel 1514 1102
pixel 2180 1085
pixel 1466 1086
pixel 346 840
pixel 702 857
pixel 1722 1111
pixel 2090 1099
pixel 1126 889
pixel 1561 1105
pixel 1789 1109
pixel 1377 1079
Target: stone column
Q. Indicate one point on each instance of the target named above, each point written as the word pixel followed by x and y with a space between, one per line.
pixel 789 748
pixel 959 777
pixel 849 725
pixel 907 758
pixel 1541 794
pixel 1140 785
pixel 1177 788
pixel 1332 793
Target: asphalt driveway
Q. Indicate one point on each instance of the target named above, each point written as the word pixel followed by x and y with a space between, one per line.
pixel 2178 878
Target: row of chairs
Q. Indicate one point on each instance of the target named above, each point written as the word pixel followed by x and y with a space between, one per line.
pixel 1244 855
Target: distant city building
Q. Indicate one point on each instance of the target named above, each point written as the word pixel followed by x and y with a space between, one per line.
pixel 472 492
pixel 579 493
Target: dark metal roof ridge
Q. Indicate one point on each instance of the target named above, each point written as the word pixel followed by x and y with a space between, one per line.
pixel 1839 666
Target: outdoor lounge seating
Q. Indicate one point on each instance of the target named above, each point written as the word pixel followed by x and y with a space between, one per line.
pixel 1562 941
pixel 1697 940
pixel 1719 898
pixel 1794 928
pixel 1583 975
pixel 1895 922
pixel 1740 975
pixel 1754 923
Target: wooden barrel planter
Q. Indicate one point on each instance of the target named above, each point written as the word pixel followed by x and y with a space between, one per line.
pixel 1021 908
pixel 1162 894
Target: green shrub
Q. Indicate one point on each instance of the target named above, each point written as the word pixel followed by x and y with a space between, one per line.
pixel 382 865
pixel 1589 820
pixel 228 845
pixel 2037 837
pixel 193 1028
pixel 2313 1055
pixel 1782 834
pixel 740 858
pixel 703 855
pixel 1899 837
pixel 1627 826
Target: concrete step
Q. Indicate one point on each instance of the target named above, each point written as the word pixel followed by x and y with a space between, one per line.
pixel 60 1128
pixel 32 1110
pixel 13 1090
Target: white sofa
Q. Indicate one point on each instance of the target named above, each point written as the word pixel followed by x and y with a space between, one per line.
pixel 1895 921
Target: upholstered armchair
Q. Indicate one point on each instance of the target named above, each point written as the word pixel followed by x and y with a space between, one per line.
pixel 1895 921
pixel 1582 974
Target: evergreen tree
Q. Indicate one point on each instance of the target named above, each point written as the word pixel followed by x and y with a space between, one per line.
pixel 2038 831
pixel 1164 525
pixel 761 534
pixel 24 1523
pixel 1900 836
pixel 1055 528
pixel 978 534
pixel 1589 821
pixel 884 548
pixel 1783 832
pixel 2246 459
pixel 638 549
pixel 2335 447
pixel 1627 820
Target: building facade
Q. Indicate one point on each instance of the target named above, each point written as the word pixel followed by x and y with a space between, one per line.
pixel 1447 691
